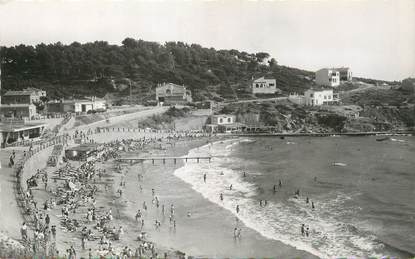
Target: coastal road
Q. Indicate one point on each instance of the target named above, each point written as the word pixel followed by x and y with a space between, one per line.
pixel 259 100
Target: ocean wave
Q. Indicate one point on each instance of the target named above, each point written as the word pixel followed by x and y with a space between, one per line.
pixel 329 236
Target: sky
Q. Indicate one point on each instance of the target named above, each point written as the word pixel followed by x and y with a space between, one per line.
pixel 375 38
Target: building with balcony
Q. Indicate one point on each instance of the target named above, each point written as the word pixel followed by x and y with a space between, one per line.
pixel 328 77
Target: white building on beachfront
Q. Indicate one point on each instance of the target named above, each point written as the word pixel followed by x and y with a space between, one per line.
pixel 222 119
pixel 317 97
pixel 328 77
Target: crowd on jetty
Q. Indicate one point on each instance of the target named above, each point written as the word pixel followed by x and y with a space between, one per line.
pixel 73 191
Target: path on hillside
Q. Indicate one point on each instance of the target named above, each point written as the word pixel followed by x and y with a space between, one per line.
pixel 258 100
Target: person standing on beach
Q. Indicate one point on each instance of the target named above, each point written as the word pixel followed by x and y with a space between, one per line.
pixel 204 177
pixel 172 209
pixel 72 253
pixel 237 208
pixel 230 187
pixel 23 231
pixel 221 196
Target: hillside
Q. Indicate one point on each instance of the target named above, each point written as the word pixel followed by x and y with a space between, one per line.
pixel 97 68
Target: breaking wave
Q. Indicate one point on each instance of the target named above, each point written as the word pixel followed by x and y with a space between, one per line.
pixel 329 235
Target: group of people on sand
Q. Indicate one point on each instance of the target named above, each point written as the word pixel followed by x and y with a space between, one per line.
pixel 75 189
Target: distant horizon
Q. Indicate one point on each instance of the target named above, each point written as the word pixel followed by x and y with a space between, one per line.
pixel 375 39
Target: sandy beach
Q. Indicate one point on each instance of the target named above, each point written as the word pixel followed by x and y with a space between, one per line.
pixel 179 214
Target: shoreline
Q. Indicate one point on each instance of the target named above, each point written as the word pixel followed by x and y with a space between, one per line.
pixel 209 225
pixel 207 221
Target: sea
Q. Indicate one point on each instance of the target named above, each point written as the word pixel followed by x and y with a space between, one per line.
pixel 363 191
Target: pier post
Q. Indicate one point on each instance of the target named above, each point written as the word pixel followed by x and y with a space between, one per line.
pixel 152 160
pixel 186 159
pixel 198 160
pixel 164 160
pixel 175 161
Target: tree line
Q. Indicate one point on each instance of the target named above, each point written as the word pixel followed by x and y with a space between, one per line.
pixel 96 67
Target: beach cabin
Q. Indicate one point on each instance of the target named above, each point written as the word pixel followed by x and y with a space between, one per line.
pixel 16 131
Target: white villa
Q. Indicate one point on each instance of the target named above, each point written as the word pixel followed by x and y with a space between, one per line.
pixel 333 76
pixel 345 74
pixel 328 77
pixel 317 97
pixel 264 85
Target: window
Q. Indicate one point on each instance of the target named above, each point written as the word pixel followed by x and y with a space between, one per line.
pixel 325 97
pixel 168 91
pixel 257 85
pixel 229 120
pixel 220 120
pixel 311 95
pixel 271 85
pixel 329 97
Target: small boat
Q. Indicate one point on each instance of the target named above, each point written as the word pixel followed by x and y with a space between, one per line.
pixel 338 164
pixel 382 139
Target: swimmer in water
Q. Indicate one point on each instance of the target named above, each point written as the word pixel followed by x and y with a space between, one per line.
pixel 237 208
pixel 279 183
pixel 230 187
pixel 312 205
pixel 244 174
pixel 307 200
pixel 274 188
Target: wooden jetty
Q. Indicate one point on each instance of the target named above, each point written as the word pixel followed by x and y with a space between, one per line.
pixel 164 159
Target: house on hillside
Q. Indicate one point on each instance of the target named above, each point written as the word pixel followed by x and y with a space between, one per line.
pixel 265 85
pixel 20 104
pixel 26 96
pixel 77 105
pixel 345 74
pixel 172 94
pixel 328 77
pixel 320 96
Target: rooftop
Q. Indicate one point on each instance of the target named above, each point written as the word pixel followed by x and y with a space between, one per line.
pixel 265 78
pixel 16 127
pixel 14 93
pixel 16 105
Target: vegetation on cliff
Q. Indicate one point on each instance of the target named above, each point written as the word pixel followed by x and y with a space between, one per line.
pixel 98 67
